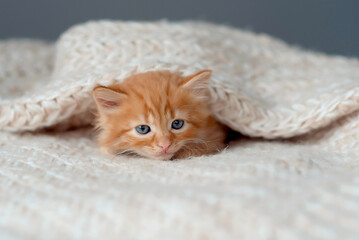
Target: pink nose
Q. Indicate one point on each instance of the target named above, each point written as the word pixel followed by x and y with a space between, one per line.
pixel 164 145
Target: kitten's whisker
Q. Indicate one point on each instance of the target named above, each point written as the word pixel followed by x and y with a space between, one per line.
pixel 117 127
pixel 199 143
pixel 124 151
pixel 128 152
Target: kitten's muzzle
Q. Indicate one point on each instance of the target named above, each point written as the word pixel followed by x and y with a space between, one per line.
pixel 165 146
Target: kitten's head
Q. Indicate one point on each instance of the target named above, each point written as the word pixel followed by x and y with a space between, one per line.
pixel 153 114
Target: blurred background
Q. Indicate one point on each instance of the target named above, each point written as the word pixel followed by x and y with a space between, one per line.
pixel 329 26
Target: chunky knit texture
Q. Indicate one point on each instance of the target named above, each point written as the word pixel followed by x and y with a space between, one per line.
pixel 260 86
pixel 58 186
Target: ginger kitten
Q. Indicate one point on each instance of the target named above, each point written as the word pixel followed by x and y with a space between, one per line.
pixel 159 115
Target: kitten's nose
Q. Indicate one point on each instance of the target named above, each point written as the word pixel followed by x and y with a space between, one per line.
pixel 164 145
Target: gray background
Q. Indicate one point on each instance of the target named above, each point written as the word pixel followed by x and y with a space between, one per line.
pixel 324 25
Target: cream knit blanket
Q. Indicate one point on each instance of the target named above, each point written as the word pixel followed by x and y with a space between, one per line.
pixel 57 185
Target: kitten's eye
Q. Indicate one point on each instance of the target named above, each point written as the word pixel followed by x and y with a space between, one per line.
pixel 177 124
pixel 143 129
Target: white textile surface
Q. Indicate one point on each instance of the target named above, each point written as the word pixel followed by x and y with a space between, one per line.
pixel 56 185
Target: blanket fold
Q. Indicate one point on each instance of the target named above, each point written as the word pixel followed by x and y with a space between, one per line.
pixel 260 86
pixel 57 185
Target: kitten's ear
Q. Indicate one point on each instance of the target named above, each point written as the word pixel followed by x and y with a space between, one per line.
pixel 107 99
pixel 198 82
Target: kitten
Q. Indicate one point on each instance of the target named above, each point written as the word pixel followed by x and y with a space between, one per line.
pixel 159 115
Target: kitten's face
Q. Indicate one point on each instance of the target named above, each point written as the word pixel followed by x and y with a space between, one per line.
pixel 154 114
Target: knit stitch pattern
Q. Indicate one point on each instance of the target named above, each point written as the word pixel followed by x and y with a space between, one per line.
pixel 260 86
pixel 300 183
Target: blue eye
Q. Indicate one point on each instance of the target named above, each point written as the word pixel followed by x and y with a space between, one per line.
pixel 143 129
pixel 177 124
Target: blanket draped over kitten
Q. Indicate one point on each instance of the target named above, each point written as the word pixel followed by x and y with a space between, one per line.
pixel 260 87
pixel 158 114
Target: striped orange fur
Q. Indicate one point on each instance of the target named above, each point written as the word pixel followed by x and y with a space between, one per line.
pixel 157 99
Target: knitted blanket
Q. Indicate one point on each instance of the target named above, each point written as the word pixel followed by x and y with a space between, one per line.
pixel 57 185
